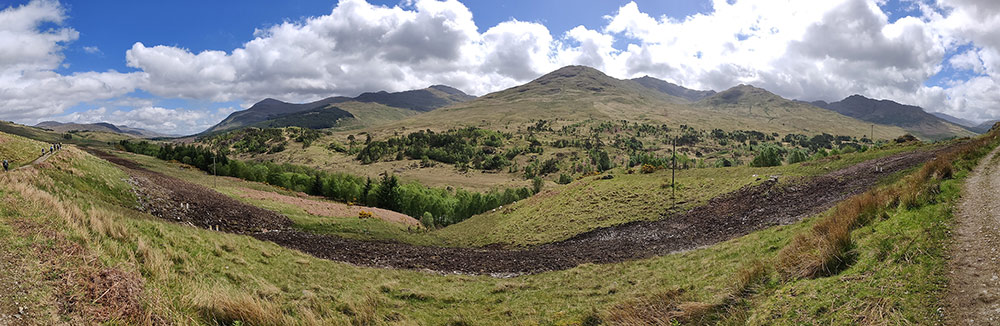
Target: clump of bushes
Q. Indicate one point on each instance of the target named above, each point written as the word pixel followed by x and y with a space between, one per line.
pixel 768 155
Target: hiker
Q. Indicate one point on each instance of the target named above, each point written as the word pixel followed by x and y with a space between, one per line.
pixel 43 151
pixel 6 166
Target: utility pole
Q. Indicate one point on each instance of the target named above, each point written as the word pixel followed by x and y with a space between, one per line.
pixel 873 133
pixel 673 173
pixel 215 169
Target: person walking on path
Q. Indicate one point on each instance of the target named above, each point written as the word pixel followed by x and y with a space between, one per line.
pixel 6 166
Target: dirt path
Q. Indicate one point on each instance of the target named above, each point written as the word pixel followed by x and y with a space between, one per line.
pixel 974 281
pixel 38 160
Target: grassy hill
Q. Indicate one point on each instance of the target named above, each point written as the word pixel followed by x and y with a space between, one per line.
pixel 99 127
pixel 911 118
pixel 985 126
pixel 566 117
pixel 672 89
pixel 578 93
pixel 89 138
pixel 420 100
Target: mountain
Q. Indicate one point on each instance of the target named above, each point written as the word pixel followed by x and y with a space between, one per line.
pixel 99 126
pixel 577 93
pixel 421 100
pixel 955 120
pixel 673 89
pixel 911 118
pixel 984 127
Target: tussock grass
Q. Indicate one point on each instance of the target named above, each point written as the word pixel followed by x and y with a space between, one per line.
pixel 224 306
pixel 874 259
pixel 665 308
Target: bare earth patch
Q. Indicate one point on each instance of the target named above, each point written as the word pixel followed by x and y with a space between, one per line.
pixel 328 208
pixel 974 282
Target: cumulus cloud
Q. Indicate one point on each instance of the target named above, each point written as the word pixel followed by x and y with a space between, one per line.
pixel 799 49
pixel 29 88
pixel 176 121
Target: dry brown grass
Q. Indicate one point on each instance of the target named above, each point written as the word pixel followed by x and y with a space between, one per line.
pixel 826 248
pixel 750 276
pixel 223 306
pixel 666 308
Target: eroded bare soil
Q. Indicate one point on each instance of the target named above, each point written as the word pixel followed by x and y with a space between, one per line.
pixel 741 212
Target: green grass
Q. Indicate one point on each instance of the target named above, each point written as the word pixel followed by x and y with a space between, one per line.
pixel 198 276
pixel 558 213
pixel 19 150
pixel 87 138
pixel 591 203
pixel 899 274
pixel 182 265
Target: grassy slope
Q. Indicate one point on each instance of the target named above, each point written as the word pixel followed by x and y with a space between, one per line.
pixel 193 275
pixel 197 275
pixel 573 95
pixel 368 114
pixel 89 138
pixel 560 212
pixel 896 272
pixel 20 150
pixel 590 203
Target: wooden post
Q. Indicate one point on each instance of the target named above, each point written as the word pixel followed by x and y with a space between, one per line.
pixel 673 172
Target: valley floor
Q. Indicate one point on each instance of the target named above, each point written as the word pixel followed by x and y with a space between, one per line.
pixel 729 216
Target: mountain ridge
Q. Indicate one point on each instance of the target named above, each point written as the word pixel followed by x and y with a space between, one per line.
pixel 419 100
pixel 100 126
pixel 913 119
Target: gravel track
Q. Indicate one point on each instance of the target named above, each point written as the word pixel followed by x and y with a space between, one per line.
pixel 973 296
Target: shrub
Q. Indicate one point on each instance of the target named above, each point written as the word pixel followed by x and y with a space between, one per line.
pixel 648 168
pixel 365 214
pixel 427 220
pixel 767 156
pixel 564 179
pixel 537 184
pixel 796 156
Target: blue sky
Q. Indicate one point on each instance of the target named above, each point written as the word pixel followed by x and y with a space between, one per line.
pixel 145 63
pixel 110 25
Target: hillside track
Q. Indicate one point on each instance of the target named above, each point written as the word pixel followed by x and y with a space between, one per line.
pixel 726 217
pixel 973 296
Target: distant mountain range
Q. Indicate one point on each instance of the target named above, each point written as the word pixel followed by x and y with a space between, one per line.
pixel 577 93
pixel 911 118
pixel 580 93
pixel 415 101
pixel 99 126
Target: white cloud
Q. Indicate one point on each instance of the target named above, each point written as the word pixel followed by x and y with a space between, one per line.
pixel 29 88
pixel 798 49
pixel 177 121
pixel 92 50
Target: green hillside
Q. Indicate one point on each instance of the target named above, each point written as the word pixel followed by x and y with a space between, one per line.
pixel 75 241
